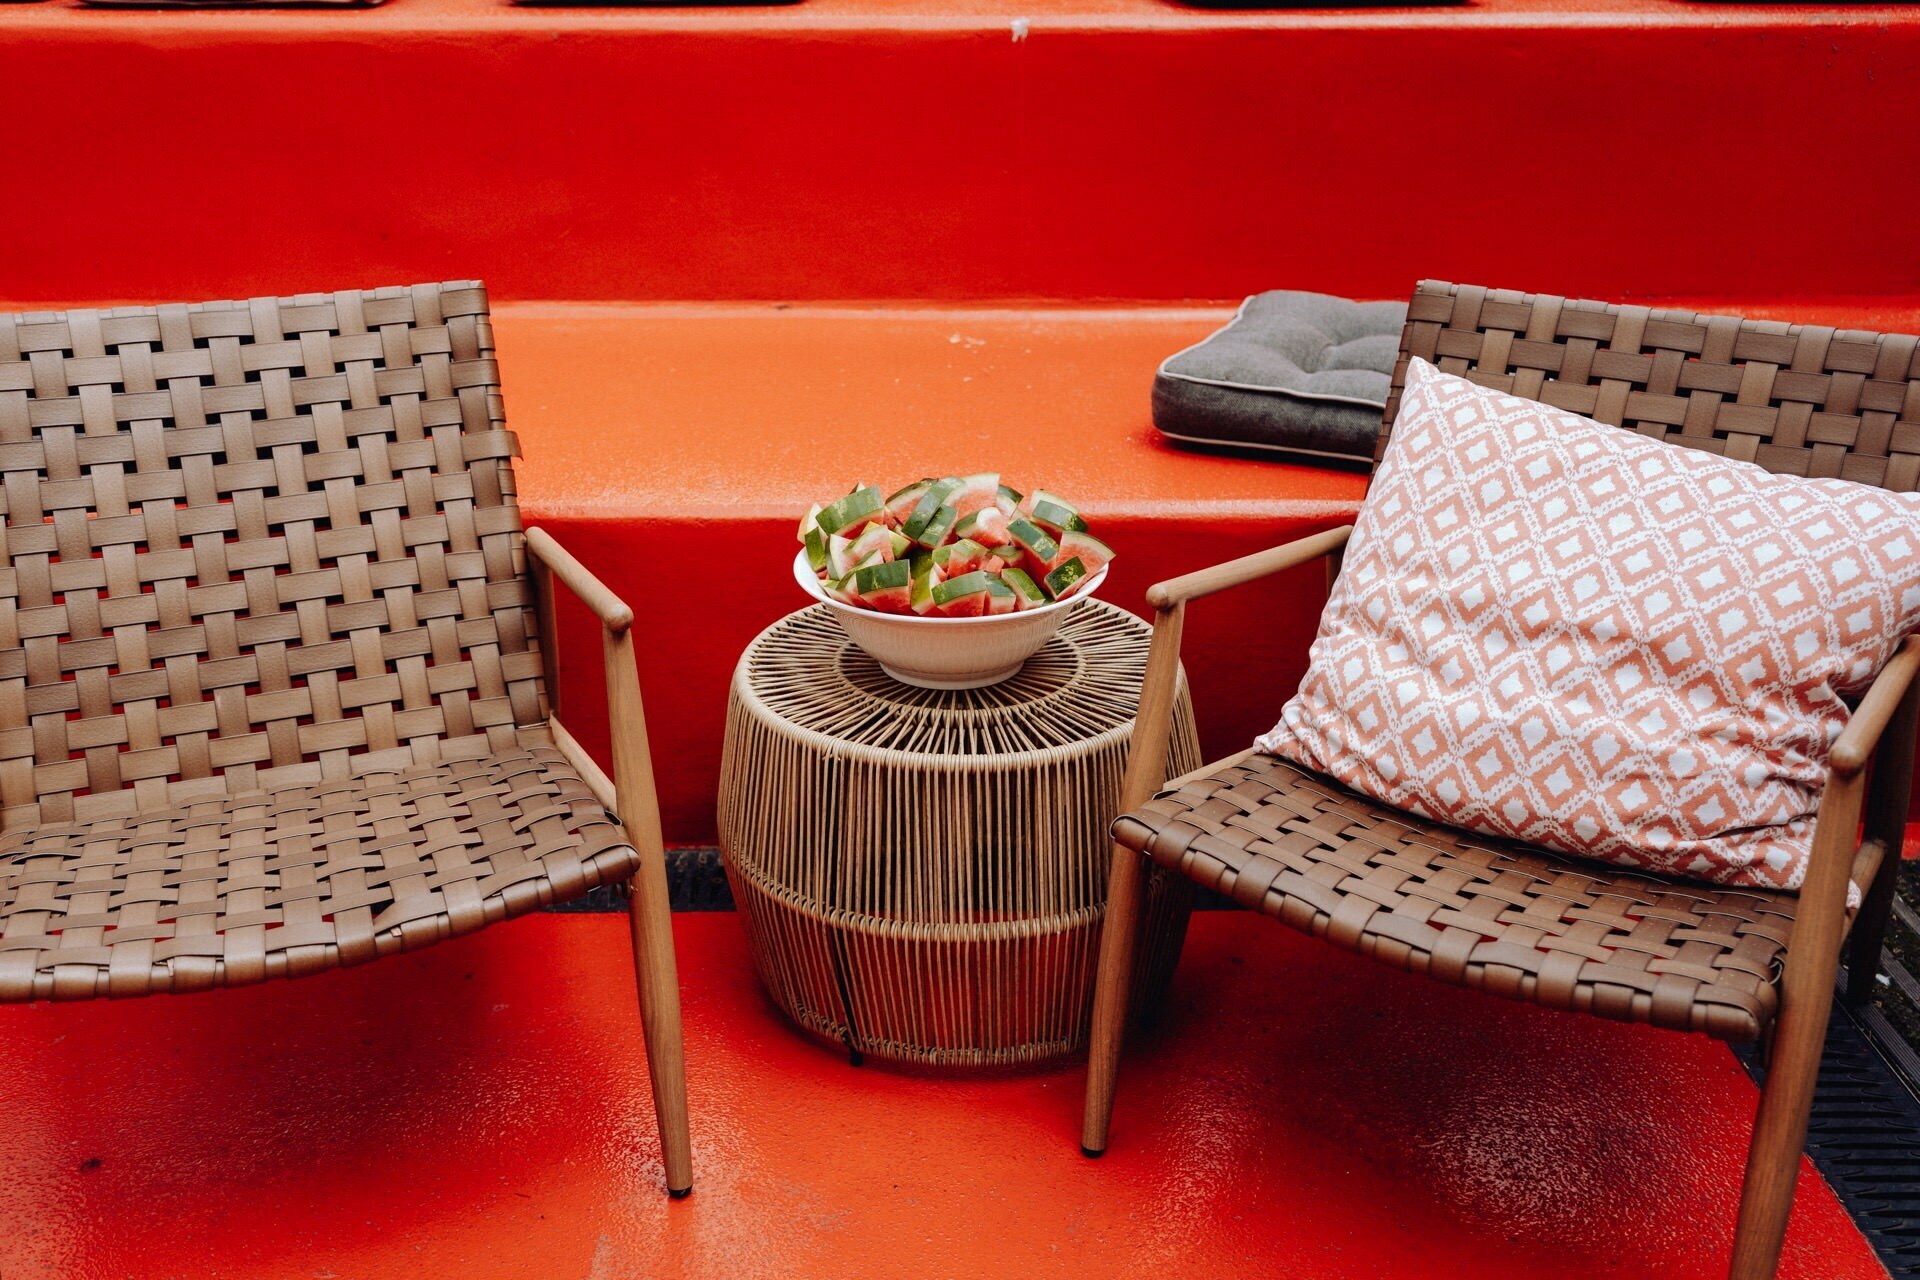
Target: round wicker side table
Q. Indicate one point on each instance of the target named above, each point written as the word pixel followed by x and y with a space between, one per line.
pixel 923 872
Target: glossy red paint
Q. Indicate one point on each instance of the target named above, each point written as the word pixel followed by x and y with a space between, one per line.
pixel 481 1109
pixel 842 150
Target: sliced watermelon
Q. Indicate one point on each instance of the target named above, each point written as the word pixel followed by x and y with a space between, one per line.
pixel 987 526
pixel 932 498
pixel 886 586
pixel 840 560
pixel 960 557
pixel 953 546
pixel 962 597
pixel 935 531
pixel 1085 548
pixel 1024 587
pixel 1061 581
pixel 877 538
pixel 974 493
pixel 847 514
pixel 1056 515
pixel 1035 541
pixel 1000 596
pixel 901 504
pixel 926 576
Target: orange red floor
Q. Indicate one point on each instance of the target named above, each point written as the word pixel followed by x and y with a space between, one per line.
pixel 482 1108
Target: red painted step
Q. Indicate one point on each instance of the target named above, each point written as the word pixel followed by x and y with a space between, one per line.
pixel 694 436
pixel 1128 149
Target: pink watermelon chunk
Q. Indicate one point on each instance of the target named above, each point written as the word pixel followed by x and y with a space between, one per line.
pixel 1089 550
pixel 975 494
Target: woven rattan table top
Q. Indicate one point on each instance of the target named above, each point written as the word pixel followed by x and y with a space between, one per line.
pixel 1078 692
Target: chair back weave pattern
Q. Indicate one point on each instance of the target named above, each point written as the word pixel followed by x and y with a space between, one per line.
pixel 254 544
pixel 1805 400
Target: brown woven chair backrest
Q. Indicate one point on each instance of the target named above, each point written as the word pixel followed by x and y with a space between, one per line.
pixel 1804 400
pixel 253 544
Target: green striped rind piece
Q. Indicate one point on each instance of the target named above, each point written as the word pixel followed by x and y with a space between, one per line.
pixel 1032 539
pixel 928 507
pixel 845 513
pixel 966 584
pixel 1022 584
pixel 1063 577
pixel 886 576
pixel 935 531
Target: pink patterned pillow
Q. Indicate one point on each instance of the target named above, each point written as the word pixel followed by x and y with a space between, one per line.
pixel 1572 635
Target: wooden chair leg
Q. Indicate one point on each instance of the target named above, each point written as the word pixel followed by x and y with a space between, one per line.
pixel 1126 882
pixel 1773 1161
pixel 1112 994
pixel 1800 1035
pixel 655 971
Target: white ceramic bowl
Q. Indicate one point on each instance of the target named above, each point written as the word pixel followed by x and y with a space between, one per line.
pixel 946 653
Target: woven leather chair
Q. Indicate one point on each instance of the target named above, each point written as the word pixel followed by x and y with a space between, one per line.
pixel 273 692
pixel 1738 964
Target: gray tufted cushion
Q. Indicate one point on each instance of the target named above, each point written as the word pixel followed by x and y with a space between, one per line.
pixel 1296 372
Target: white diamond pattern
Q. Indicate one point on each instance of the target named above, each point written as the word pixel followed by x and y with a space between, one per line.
pixel 1568 634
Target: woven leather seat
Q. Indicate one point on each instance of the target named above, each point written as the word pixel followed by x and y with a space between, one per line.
pixel 1472 911
pixel 263 884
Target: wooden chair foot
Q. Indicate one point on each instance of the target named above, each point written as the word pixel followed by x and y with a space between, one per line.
pixel 1112 993
pixel 655 971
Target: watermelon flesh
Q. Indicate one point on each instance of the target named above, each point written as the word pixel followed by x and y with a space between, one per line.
pixel 1000 596
pixel 987 526
pixel 886 586
pixel 964 596
pixel 900 506
pixel 951 547
pixel 974 493
pixel 1092 553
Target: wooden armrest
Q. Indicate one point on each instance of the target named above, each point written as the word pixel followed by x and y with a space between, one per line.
pixel 606 606
pixel 1235 573
pixel 1854 747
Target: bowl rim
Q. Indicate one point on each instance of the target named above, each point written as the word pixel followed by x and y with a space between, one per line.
pixel 810 583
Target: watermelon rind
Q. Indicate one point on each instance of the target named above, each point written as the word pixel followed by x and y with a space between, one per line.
pixel 935 531
pixel 875 539
pixel 925 510
pixel 952 589
pixel 839 560
pixel 902 503
pixel 816 550
pixel 809 523
pixel 926 576
pixel 962 551
pixel 1061 580
pixel 1000 596
pixel 883 576
pixel 849 512
pixel 1023 586
pixel 836 589
pixel 987 526
pixel 974 493
pixel 1056 517
pixel 1032 539
pixel 1096 554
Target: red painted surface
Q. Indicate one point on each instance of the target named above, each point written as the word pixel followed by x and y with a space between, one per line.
pixel 481 1108
pixel 1122 149
pixel 678 444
